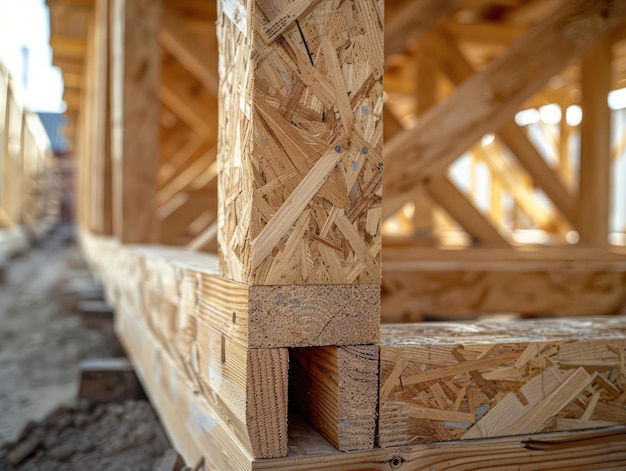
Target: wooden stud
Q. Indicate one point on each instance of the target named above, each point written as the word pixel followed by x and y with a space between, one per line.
pixel 100 132
pixel 335 388
pixel 447 195
pixel 485 101
pixel 135 65
pixel 595 147
pixel 176 37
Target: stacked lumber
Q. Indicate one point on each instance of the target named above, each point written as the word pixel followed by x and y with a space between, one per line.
pixel 441 382
pixel 29 197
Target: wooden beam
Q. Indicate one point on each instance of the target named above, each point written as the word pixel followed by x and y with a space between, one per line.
pixel 524 197
pixel 445 293
pixel 412 20
pixel 406 256
pixel 199 112
pixel 303 205
pixel 335 388
pixel 448 196
pixel 458 69
pixel 191 205
pixel 595 147
pixel 596 449
pixel 479 387
pixel 135 82
pixel 204 167
pixel 68 47
pixel 542 174
pixel 487 100
pixel 99 145
pixel 204 239
pixel 182 43
pixel 216 332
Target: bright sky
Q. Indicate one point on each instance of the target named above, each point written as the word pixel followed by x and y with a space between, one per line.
pixel 24 23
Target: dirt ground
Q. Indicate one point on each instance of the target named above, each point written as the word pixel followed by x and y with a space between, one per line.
pixel 42 424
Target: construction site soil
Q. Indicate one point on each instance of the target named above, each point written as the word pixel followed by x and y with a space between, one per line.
pixel 43 424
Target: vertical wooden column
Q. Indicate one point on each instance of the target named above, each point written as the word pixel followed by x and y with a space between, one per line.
pixel 100 125
pixel 300 189
pixel 595 147
pixel 426 75
pixel 301 142
pixel 135 69
pixel 86 211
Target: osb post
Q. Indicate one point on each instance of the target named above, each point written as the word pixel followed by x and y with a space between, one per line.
pixel 300 177
pixel 300 142
pixel 135 79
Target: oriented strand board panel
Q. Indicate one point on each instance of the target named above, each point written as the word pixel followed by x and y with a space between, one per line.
pixel 300 144
pixel 449 381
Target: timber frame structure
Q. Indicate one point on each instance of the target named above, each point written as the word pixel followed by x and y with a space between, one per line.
pixel 230 187
pixel 29 185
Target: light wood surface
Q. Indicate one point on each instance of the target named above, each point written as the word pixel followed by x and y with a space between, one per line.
pixel 300 146
pixel 134 113
pixel 335 388
pixel 478 380
pixel 488 99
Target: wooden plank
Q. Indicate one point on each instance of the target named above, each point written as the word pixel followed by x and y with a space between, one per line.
pixel 463 381
pixel 253 385
pixel 542 174
pixel 595 147
pixel 100 142
pixel 135 80
pixel 458 69
pixel 594 449
pixel 488 99
pixel 181 42
pixel 457 294
pixel 282 316
pixel 403 255
pixel 413 19
pixel 335 388
pixel 300 154
pixel 448 196
pixel 244 387
pixel 191 420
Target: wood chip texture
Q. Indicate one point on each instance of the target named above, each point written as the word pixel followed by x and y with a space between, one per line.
pixel 300 143
pixel 447 381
